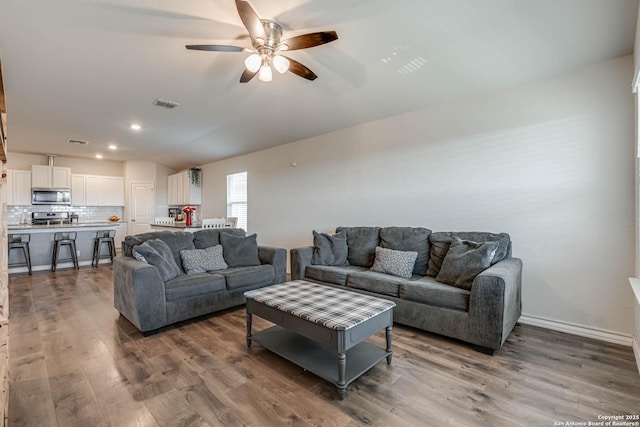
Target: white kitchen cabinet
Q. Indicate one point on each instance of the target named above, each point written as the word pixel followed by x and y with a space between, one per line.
pixel 182 190
pixel 18 188
pixel 112 193
pixel 50 177
pixel 94 190
pixel 97 190
pixel 78 190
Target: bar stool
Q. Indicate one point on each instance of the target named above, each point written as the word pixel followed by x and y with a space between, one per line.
pixel 20 241
pixel 64 238
pixel 102 237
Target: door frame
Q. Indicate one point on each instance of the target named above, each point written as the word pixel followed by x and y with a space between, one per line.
pixel 152 184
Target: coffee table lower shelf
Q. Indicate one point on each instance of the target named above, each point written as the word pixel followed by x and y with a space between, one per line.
pixel 317 359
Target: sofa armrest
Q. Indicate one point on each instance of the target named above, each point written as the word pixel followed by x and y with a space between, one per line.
pixel 495 303
pixel 276 257
pixel 138 293
pixel 300 259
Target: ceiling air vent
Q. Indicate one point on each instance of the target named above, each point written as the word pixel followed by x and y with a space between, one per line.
pixel 77 141
pixel 164 103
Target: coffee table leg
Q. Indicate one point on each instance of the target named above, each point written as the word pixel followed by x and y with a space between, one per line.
pixel 248 329
pixel 342 365
pixel 389 345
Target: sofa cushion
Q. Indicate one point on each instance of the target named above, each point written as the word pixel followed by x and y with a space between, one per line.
pixel 396 263
pixel 239 251
pixel 408 239
pixel 203 260
pixel 211 237
pixel 378 283
pixel 465 259
pixel 431 292
pixel 362 242
pixel 248 277
pixel 328 249
pixel 441 240
pixel 157 253
pixel 176 241
pixel 334 275
pixel 193 285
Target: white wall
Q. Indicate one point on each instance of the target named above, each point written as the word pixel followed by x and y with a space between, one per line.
pixel 23 161
pixel 551 163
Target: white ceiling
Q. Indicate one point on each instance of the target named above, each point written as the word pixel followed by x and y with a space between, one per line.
pixel 87 69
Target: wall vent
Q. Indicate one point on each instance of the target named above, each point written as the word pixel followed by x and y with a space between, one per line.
pixel 164 103
pixel 77 141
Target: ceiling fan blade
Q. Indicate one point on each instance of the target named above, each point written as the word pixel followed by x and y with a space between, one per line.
pixel 300 70
pixel 217 48
pixel 251 21
pixel 247 75
pixel 308 40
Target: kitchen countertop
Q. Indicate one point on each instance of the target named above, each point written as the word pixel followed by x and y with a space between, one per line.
pixel 196 224
pixel 81 226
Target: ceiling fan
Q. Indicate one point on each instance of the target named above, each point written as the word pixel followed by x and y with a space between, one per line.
pixel 268 47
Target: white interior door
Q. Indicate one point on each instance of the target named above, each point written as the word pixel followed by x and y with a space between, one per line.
pixel 142 207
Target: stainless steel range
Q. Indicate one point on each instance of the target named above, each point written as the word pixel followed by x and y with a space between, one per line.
pixel 49 218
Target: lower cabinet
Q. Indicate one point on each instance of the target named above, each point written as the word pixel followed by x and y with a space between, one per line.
pixel 121 233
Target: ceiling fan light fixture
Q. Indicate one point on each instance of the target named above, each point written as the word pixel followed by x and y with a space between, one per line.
pixel 265 74
pixel 281 64
pixel 253 62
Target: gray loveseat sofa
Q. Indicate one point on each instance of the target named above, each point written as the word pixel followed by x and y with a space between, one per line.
pixel 149 302
pixel 482 313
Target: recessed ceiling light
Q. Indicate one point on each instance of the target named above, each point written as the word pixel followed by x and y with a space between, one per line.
pixel 98 156
pixel 136 126
pixel 113 147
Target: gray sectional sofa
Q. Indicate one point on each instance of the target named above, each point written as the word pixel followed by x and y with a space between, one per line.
pixel 477 305
pixel 146 299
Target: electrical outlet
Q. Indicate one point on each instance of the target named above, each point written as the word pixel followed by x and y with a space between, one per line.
pixel 78 252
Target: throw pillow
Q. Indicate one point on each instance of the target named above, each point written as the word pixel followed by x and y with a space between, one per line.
pixel 408 239
pixel 157 253
pixel 362 242
pixel 202 260
pixel 464 260
pixel 396 263
pixel 239 251
pixel 329 250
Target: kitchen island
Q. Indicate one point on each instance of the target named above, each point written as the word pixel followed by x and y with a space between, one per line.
pixel 177 226
pixel 41 243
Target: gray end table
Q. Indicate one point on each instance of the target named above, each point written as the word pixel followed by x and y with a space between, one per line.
pixel 322 329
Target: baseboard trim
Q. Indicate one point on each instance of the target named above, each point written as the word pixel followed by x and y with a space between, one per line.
pixel 14 270
pixel 583 331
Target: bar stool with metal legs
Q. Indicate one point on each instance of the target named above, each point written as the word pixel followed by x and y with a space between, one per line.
pixel 64 238
pixel 102 237
pixel 20 241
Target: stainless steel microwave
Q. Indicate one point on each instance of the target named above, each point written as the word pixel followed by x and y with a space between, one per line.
pixel 50 196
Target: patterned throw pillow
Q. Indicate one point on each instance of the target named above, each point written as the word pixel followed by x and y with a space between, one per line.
pixel 396 263
pixel 202 260
pixel 465 259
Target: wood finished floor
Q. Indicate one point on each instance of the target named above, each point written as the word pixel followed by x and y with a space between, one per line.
pixel 74 362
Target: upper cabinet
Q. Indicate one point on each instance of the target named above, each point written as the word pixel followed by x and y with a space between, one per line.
pixel 96 190
pixel 50 177
pixel 185 188
pixel 18 188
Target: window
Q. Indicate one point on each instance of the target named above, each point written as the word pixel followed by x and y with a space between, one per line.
pixel 237 198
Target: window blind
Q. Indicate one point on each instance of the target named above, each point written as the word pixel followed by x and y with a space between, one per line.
pixel 237 198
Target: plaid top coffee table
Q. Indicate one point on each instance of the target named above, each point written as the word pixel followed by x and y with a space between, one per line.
pixel 321 328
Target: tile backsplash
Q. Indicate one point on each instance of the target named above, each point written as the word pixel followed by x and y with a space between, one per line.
pixel 85 213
